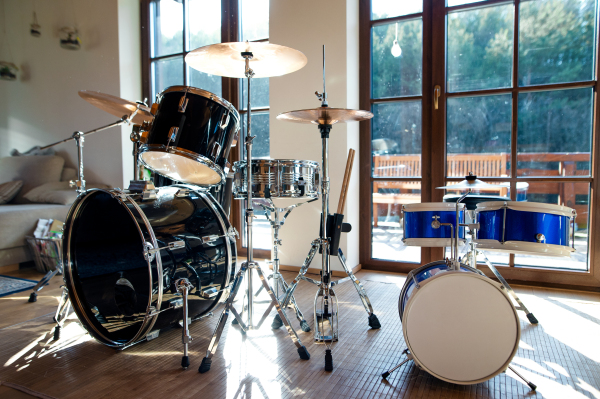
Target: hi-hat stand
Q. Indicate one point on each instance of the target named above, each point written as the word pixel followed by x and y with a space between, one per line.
pixel 250 265
pixel 273 216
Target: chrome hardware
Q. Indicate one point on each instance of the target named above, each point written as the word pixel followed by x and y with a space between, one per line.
pixel 182 192
pixel 152 335
pixel 437 90
pixel 209 293
pixel 149 255
pixel 216 150
pixel 231 233
pixel 172 245
pixel 183 103
pixel 173 133
pixel 176 303
pixel 436 223
pixel 540 238
pixel 225 122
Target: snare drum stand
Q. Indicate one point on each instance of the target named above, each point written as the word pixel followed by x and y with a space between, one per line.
pixel 250 265
pixel 279 284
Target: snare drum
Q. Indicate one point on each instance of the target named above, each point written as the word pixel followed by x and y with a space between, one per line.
pixel 529 228
pixel 419 232
pixel 191 136
pixel 459 326
pixel 278 178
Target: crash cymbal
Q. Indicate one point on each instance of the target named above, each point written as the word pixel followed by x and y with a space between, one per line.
pixel 471 182
pixel 116 106
pixel 325 115
pixel 225 59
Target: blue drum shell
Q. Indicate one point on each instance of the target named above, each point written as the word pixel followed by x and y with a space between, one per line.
pixel 523 226
pixel 418 224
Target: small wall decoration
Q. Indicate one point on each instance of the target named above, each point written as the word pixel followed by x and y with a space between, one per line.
pixel 8 71
pixel 35 27
pixel 69 38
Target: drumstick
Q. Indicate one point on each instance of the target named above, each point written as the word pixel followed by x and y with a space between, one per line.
pixel 346 181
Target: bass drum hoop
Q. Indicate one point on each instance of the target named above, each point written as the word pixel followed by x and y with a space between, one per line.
pixel 492 375
pixel 182 152
pixel 149 321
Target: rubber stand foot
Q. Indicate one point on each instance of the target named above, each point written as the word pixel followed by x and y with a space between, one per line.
pixel 234 322
pixel 532 386
pixel 304 325
pixel 374 322
pixel 303 352
pixel 276 323
pixel 532 318
pixel 385 375
pixel 205 365
pixel 33 297
pixel 56 333
pixel 328 360
pixel 185 362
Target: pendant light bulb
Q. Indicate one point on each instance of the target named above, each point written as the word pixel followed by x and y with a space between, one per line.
pixel 396 50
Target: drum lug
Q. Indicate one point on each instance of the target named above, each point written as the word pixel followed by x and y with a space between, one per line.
pixel 182 192
pixel 216 150
pixel 183 104
pixel 172 245
pixel 540 238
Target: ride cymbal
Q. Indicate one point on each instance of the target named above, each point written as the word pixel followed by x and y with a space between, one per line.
pixel 471 182
pixel 117 106
pixel 325 116
pixel 225 59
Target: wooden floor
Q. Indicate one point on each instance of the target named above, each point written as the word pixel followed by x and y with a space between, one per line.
pixel 561 354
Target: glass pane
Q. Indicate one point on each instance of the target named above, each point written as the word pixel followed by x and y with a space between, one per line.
pixel 260 93
pixel 166 27
pixel 165 73
pixel 205 81
pixel 396 139
pixel 397 68
pixel 573 195
pixel 556 41
pixel 388 9
pixel 254 24
pixel 261 229
pixel 452 3
pixel 478 136
pixel 387 226
pixel 204 21
pixel 480 44
pixel 260 129
pixel 555 133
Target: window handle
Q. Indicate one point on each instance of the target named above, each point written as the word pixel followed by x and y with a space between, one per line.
pixel 436 95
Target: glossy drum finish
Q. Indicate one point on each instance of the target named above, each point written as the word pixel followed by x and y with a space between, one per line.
pixel 120 292
pixel 525 227
pixel 458 325
pixel 278 178
pixel 418 230
pixel 190 138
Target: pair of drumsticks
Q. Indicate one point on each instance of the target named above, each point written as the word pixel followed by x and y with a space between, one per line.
pixel 346 182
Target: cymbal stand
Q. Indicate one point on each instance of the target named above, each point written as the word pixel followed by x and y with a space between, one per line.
pixel 250 265
pixel 279 284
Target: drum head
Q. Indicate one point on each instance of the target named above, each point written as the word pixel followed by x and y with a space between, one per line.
pixel 461 328
pixel 182 168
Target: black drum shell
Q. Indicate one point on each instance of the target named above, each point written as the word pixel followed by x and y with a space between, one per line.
pixel 106 272
pixel 207 127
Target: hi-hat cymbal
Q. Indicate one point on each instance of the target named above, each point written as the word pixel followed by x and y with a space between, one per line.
pixel 471 182
pixel 116 106
pixel 225 59
pixel 325 115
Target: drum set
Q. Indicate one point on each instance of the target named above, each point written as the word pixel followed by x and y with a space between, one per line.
pixel 143 259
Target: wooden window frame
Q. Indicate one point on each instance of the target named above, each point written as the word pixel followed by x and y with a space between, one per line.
pixel 434 148
pixel 230 87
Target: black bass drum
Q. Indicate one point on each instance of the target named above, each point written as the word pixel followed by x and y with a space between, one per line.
pixel 123 254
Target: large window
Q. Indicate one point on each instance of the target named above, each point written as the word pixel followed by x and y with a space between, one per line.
pixel 171 29
pixel 505 90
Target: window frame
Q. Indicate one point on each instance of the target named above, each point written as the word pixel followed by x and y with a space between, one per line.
pixel 434 142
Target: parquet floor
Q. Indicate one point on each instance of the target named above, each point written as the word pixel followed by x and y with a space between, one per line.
pixel 561 354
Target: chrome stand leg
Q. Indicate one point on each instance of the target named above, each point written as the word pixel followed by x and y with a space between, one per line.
pixel 373 320
pixel 64 306
pixel 531 384
pixel 45 280
pixel 183 287
pixel 408 357
pixel 294 284
pixel 521 306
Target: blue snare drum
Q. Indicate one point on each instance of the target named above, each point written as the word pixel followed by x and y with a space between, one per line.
pixel 529 228
pixel 418 231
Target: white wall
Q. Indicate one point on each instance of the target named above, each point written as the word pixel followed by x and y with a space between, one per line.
pixel 43 106
pixel 306 26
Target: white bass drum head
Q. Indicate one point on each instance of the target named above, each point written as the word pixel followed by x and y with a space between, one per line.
pixel 461 327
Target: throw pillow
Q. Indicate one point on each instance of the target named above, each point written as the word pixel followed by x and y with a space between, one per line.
pixel 33 170
pixel 57 193
pixel 9 190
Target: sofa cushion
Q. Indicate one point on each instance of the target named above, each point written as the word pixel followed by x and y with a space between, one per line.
pixel 68 174
pixel 9 190
pixel 17 221
pixel 57 193
pixel 32 170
